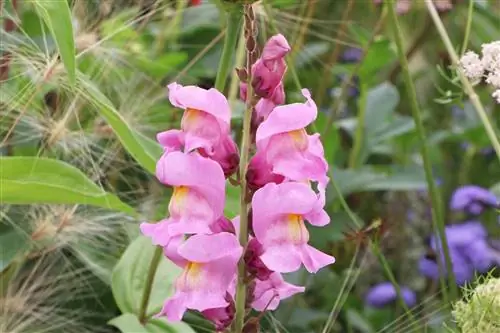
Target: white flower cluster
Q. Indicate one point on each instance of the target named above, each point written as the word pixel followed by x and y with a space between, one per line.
pixel 476 68
pixel 478 311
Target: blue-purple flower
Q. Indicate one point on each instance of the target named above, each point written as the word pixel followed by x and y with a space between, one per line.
pixel 385 293
pixel 472 199
pixel 469 252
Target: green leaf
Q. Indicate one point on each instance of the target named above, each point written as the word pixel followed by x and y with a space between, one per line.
pixel 379 55
pixel 11 243
pixel 162 66
pixel 367 179
pixel 380 105
pixel 144 150
pixel 57 17
pixel 129 278
pixel 129 323
pixel 29 180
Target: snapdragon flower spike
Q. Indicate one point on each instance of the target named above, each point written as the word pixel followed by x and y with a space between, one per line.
pixel 278 218
pixel 209 268
pixel 268 293
pixel 269 70
pixel 197 200
pixel 285 150
pixel 204 126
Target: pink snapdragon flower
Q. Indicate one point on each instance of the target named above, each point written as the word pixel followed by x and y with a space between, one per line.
pixel 285 150
pixel 197 200
pixel 209 264
pixel 269 69
pixel 268 293
pixel 204 126
pixel 278 218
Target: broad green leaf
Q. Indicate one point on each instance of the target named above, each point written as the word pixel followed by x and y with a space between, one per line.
pixel 129 278
pixel 367 179
pixel 29 180
pixel 11 243
pixel 57 16
pixel 380 105
pixel 380 54
pixel 144 150
pixel 129 323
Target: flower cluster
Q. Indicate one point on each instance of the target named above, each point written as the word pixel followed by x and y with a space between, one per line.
pixel 478 311
pixel 468 244
pixel 196 161
pixel 487 67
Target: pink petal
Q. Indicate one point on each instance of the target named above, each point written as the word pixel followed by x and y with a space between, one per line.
pixel 225 153
pixel 210 101
pixel 195 172
pixel 174 308
pixel 314 259
pixel 201 130
pixel 171 140
pixel 276 47
pixel 158 232
pixel 273 200
pixel 171 251
pixel 271 291
pixel 282 258
pixel 287 118
pixel 207 248
pixel 260 172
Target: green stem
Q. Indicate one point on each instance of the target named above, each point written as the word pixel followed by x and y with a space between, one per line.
pixel 153 267
pixel 230 40
pixel 245 151
pixel 469 89
pixel 241 290
pixel 470 11
pixel 437 214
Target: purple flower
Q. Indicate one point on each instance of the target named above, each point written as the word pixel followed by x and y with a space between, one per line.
pixel 469 251
pixel 461 268
pixel 351 55
pixel 385 293
pixel 472 199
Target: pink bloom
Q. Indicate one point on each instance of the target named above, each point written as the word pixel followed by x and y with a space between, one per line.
pixel 254 264
pixel 268 293
pixel 198 197
pixel 205 126
pixel 266 105
pixel 279 212
pixel 221 317
pixel 268 71
pixel 209 268
pixel 284 148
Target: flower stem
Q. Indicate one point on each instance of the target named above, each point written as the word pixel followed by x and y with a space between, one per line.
pixel 470 11
pixel 437 214
pixel 153 267
pixel 241 289
pixel 469 90
pixel 230 40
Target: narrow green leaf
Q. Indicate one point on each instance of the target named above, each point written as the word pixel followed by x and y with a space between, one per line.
pixel 129 323
pixel 129 278
pixel 57 16
pixel 29 180
pixel 144 150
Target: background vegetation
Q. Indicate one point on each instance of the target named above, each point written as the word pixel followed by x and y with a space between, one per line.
pixel 83 95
